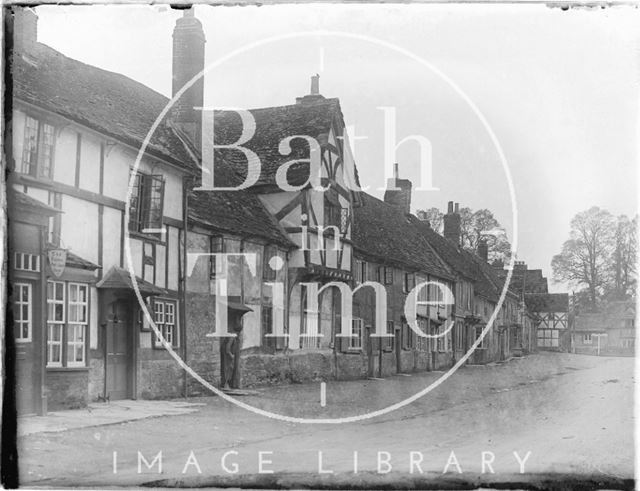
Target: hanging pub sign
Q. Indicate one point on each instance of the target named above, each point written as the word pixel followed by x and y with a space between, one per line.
pixel 57 261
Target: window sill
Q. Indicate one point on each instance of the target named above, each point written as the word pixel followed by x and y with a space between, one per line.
pixel 149 237
pixel 67 369
pixel 353 351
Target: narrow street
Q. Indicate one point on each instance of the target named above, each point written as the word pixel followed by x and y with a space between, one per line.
pixel 573 413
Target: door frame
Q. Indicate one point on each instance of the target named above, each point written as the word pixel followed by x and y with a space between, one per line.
pixel 111 299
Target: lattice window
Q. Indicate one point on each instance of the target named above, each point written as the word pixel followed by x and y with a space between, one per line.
pixel 146 204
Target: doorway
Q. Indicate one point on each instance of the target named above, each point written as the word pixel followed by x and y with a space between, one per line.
pixel 119 352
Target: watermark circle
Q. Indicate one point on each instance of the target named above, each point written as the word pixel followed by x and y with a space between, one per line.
pixel 514 210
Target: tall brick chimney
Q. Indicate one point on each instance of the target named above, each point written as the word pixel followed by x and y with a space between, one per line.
pixel 25 29
pixel 188 61
pixel 452 223
pixel 483 250
pixel 401 197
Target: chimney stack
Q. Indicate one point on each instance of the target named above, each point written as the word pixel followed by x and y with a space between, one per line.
pixel 314 95
pixel 400 197
pixel 483 250
pixel 452 223
pixel 25 29
pixel 422 216
pixel 188 61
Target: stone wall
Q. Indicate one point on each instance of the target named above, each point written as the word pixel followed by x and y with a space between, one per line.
pixel 66 389
pixel 203 353
pixel 96 377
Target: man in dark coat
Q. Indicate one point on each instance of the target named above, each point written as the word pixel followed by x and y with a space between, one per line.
pixel 230 347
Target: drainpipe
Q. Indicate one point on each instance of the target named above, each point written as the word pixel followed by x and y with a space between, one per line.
pixel 42 403
pixel 183 280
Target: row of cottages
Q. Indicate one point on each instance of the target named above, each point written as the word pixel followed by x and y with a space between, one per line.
pixel 611 332
pixel 80 333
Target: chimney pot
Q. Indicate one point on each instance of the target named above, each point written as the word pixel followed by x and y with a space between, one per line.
pixel 457 208
pixel 315 84
pixel 452 225
pixel 450 207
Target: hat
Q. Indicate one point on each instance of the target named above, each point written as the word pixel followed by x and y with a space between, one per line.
pixel 233 303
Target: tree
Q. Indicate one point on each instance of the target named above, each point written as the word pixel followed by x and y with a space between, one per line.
pixel 585 257
pixel 623 261
pixel 474 226
pixel 435 217
pixel 481 224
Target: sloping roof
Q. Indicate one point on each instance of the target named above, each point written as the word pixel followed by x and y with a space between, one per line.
pixel 107 102
pixel 384 234
pixel 22 201
pixel 591 322
pixel 547 302
pixel 446 249
pixel 119 278
pixel 236 212
pixel 274 124
pixel 75 261
pixel 525 280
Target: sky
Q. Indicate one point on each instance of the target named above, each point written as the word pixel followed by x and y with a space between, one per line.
pixel 556 92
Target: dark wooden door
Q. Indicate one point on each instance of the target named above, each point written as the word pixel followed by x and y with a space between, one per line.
pixel 119 363
pixel 26 317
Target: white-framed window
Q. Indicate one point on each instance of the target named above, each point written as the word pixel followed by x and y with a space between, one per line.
pixel 586 339
pixel 37 150
pixel 23 311
pixel 165 317
pixel 67 323
pixel 56 317
pixel 355 343
pixel 78 319
pixel 628 343
pixel 26 262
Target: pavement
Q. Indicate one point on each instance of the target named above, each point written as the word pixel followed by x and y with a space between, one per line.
pixel 100 414
pixel 572 415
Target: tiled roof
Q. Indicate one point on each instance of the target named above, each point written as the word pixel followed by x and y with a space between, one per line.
pixel 525 280
pixel 447 250
pixel 384 234
pixel 22 201
pixel 237 212
pixel 591 322
pixel 273 125
pixel 119 278
pixel 75 261
pixel 107 102
pixel 547 302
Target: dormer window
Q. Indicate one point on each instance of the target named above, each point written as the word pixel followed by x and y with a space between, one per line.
pixel 147 197
pixel 37 150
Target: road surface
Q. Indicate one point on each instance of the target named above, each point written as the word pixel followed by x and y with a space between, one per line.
pixel 547 414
